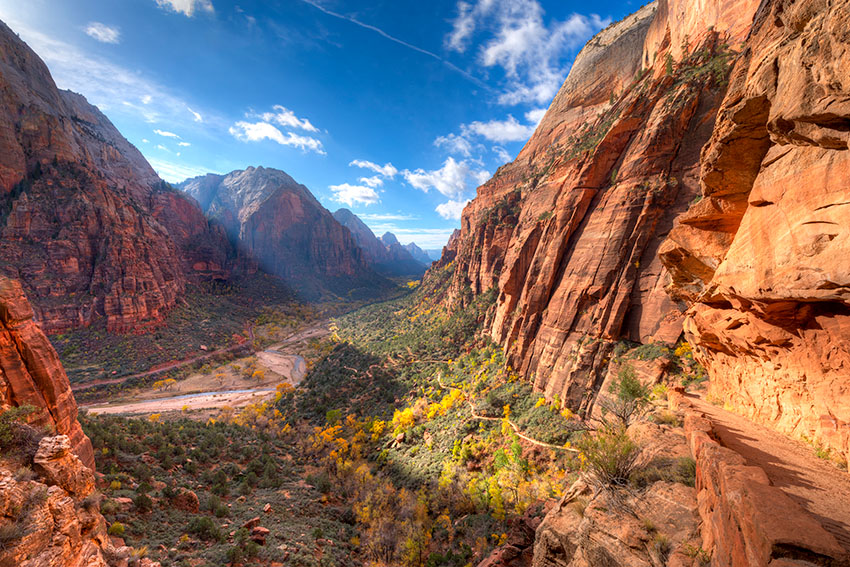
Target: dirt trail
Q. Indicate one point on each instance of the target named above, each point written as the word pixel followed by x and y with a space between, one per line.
pixel 820 487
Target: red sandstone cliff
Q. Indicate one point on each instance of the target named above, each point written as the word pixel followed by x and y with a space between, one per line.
pixel 569 232
pixel 85 223
pixel 281 225
pixel 30 371
pixel 762 258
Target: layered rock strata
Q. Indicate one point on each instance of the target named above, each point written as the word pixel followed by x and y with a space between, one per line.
pixel 85 223
pixel 569 232
pixel 31 373
pixel 761 258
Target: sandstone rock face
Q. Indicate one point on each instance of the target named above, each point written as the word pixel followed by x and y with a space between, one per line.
pixel 52 524
pixel 30 372
pixel 385 254
pixel 280 224
pixel 569 232
pixel 85 223
pixel 762 256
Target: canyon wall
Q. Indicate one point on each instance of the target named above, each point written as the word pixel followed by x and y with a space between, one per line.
pixel 86 225
pixel 761 258
pixel 569 232
pixel 276 221
pixel 31 374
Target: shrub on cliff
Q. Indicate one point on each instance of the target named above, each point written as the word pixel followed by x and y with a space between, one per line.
pixel 609 456
pixel 628 397
pixel 15 434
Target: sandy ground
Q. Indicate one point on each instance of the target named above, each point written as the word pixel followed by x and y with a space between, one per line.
pixel 225 385
pixel 189 402
pixel 819 486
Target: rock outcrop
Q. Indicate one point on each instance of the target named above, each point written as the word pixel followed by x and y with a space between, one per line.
pixel 276 221
pixel 761 258
pixel 385 254
pixel 569 232
pixel 85 223
pixel 31 374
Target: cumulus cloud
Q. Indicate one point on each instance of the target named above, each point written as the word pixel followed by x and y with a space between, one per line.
pixel 387 170
pixel 258 131
pixel 184 144
pixel 166 134
pixel 352 195
pixel 284 117
pixel 535 116
pixel 186 7
pixel 508 130
pixel 502 154
pixel 451 180
pixel 103 33
pixel 175 172
pixel 530 51
pixel 374 181
pixel 386 217
pixel 451 210
pixel 455 144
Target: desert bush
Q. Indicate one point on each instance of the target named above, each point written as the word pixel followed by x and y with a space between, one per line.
pixel 609 455
pixel 116 529
pixel 628 398
pixel 10 534
pixel 205 528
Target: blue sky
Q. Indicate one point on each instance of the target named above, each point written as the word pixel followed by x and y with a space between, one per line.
pixel 395 109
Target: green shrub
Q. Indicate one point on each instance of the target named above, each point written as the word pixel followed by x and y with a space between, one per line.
pixel 205 528
pixel 609 455
pixel 629 398
pixel 116 529
pixel 10 535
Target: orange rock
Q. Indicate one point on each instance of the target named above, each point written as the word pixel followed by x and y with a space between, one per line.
pixel 31 373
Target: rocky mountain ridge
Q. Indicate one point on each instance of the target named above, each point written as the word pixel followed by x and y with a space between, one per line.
pixel 692 150
pixel 278 223
pixel 386 254
pixel 85 224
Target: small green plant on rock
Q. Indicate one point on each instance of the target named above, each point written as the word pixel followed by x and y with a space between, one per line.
pixel 609 456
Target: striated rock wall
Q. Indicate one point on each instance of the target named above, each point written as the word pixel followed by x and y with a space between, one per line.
pixel 569 233
pixel 761 257
pixel 30 371
pixel 385 254
pixel 85 223
pixel 281 225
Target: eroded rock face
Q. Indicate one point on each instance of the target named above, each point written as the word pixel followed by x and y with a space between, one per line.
pixel 762 255
pixel 30 372
pixel 55 517
pixel 386 254
pixel 280 224
pixel 85 223
pixel 569 232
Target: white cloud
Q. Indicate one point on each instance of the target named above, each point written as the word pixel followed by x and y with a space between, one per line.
pixel 531 52
pixel 386 170
pixel 187 7
pixel 195 115
pixel 175 172
pixel 454 144
pixel 502 154
pixel 374 181
pixel 258 131
pixel 509 130
pixel 163 148
pixel 147 99
pixel 282 116
pixel 535 116
pixel 451 210
pixel 166 134
pixel 352 195
pixel 145 141
pixel 103 33
pixel 451 180
pixel 184 144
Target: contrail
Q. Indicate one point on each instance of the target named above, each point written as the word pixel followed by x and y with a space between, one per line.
pixel 381 32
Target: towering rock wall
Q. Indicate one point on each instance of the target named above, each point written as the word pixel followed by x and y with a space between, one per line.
pixel 762 257
pixel 569 232
pixel 31 374
pixel 385 254
pixel 281 225
pixel 85 223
